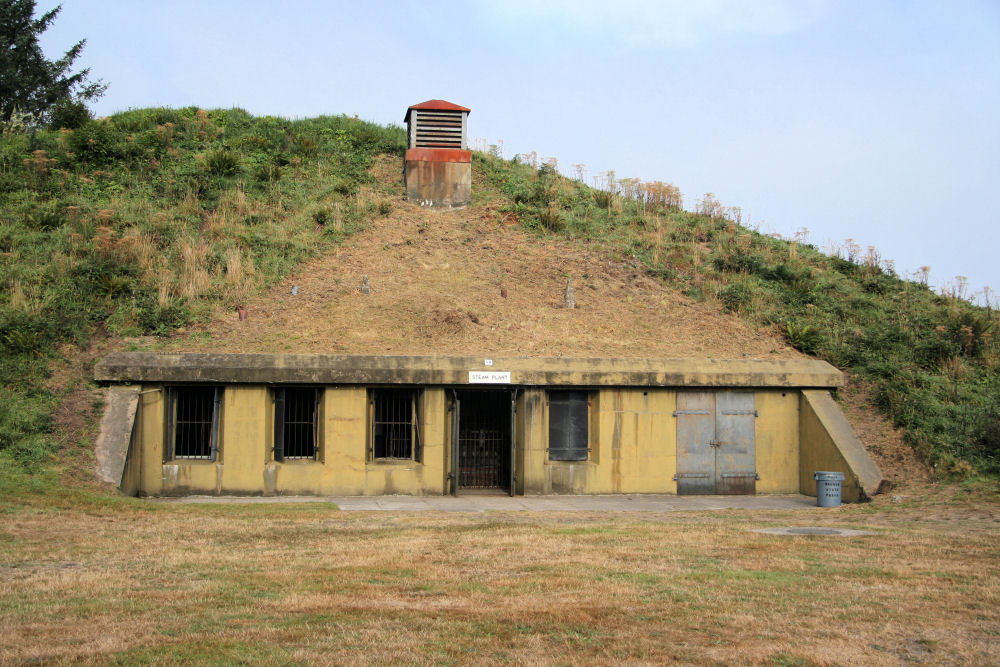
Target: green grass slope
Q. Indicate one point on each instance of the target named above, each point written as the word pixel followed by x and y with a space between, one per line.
pixel 142 222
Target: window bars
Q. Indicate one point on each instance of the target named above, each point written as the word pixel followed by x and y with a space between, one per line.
pixel 296 411
pixel 193 422
pixel 395 432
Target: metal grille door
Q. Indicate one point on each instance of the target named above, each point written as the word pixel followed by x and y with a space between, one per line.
pixel 484 440
pixel 716 443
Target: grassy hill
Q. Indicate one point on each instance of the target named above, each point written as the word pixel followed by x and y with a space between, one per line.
pixel 160 222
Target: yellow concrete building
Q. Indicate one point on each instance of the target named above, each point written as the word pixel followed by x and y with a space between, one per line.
pixel 252 424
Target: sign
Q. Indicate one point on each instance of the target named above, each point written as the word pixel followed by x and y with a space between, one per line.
pixel 489 377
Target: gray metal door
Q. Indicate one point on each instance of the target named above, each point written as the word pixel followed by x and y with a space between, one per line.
pixel 716 443
pixel 735 451
pixel 695 433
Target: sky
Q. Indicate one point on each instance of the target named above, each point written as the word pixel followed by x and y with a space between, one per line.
pixel 871 120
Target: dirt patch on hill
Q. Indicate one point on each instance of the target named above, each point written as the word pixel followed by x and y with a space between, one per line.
pixel 467 282
pixel 896 459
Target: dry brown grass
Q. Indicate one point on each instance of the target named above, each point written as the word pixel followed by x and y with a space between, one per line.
pixel 133 582
pixel 423 265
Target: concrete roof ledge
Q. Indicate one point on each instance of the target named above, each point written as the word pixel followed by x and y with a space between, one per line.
pixel 448 370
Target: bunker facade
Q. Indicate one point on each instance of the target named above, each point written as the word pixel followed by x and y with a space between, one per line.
pixel 263 424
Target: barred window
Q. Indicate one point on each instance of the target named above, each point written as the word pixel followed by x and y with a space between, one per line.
pixel 395 432
pixel 568 425
pixel 295 423
pixel 193 422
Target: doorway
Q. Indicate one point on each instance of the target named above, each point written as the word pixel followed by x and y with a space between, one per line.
pixel 482 440
pixel 716 443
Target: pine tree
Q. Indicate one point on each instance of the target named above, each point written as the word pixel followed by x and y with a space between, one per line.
pixel 29 82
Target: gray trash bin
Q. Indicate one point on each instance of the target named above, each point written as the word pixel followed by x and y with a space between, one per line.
pixel 828 488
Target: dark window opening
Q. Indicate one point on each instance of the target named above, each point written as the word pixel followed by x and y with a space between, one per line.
pixel 295 423
pixel 193 422
pixel 395 432
pixel 568 425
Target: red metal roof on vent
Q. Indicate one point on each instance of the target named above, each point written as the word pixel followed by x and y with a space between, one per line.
pixel 439 105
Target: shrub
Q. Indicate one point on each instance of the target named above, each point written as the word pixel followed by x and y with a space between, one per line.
pixel 603 199
pixel 551 219
pixel 222 162
pixel 736 297
pixel 268 173
pixel 803 337
pixel 69 115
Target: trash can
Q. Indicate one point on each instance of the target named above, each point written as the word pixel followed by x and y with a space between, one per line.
pixel 828 488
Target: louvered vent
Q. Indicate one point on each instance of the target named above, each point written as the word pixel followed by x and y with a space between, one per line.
pixel 437 129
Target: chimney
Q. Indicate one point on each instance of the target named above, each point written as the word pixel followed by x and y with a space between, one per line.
pixel 438 167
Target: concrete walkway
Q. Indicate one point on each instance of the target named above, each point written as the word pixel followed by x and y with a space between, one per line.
pixel 495 503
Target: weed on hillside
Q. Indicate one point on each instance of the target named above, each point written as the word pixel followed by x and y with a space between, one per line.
pixel 145 220
pixel 932 360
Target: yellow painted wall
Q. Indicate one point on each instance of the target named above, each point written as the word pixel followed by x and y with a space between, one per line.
pixel 344 468
pixel 531 439
pixel 243 439
pixel 149 416
pixel 632 446
pixel 632 440
pixel 245 463
pixel 777 437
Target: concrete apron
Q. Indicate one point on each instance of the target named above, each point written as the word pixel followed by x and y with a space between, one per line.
pixel 483 503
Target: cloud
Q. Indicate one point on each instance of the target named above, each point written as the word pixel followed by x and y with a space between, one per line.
pixel 665 23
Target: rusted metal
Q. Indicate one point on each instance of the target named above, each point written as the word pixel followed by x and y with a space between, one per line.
pixel 435 105
pixel 437 155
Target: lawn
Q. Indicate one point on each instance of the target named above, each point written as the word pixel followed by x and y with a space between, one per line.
pixel 85 579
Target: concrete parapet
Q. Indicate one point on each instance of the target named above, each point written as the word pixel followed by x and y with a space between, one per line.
pixel 448 370
pixel 828 443
pixel 113 441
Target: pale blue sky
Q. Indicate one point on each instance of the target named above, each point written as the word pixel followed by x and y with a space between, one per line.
pixel 868 119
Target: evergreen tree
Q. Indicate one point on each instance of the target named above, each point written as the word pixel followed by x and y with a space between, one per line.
pixel 29 82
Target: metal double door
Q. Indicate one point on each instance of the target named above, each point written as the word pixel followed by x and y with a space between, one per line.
pixel 716 443
pixel 482 440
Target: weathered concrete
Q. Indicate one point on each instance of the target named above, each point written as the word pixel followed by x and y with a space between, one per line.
pixel 113 441
pixel 830 444
pixel 484 503
pixel 438 184
pixel 442 370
